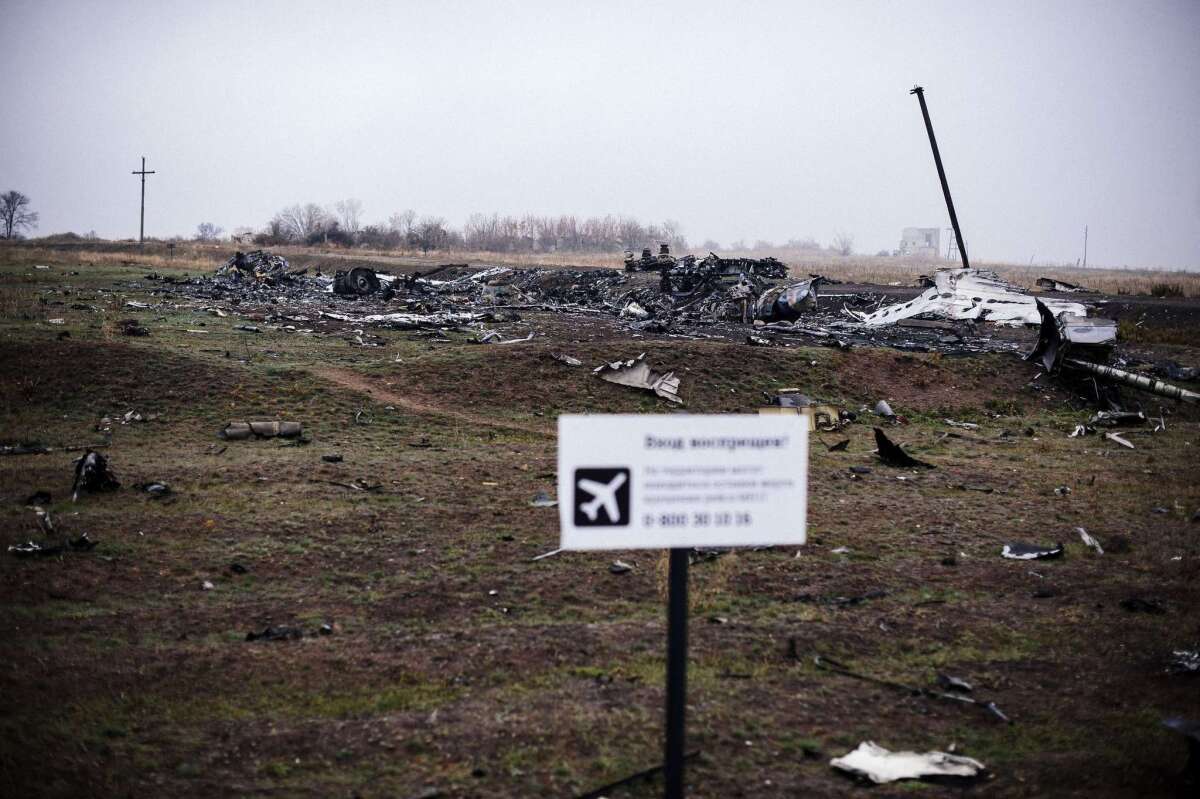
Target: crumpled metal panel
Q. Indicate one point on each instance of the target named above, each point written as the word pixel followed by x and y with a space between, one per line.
pixel 971 294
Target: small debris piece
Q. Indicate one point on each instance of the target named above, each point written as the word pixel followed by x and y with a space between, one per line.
pixel 636 373
pixel 1062 491
pixel 1184 661
pixel 1138 605
pixel 1089 540
pixel 38 498
pixel 237 568
pixel 1190 730
pixel 880 766
pixel 33 549
pixel 92 475
pixel 83 543
pixel 954 684
pixel 883 409
pixel 1017 551
pixel 1115 438
pixel 325 629
pixel 892 455
pixel 549 554
pixel 567 359
pixel 620 567
pixel 276 634
pixel 841 601
pixel 860 469
pixel 207 585
pixel 332 458
pixel 156 489
pixel 240 431
pixel 840 446
pixel 132 327
pixel 543 500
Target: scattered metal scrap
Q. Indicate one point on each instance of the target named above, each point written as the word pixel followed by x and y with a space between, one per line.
pixel 258 266
pixel 1080 345
pixel 828 664
pixel 636 373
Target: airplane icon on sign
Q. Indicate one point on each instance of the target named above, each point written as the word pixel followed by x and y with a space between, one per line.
pixel 606 496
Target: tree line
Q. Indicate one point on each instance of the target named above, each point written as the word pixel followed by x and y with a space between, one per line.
pixel 341 224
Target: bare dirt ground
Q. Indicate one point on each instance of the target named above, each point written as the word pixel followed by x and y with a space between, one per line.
pixel 458 666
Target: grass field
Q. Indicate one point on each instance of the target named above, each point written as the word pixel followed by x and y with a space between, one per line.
pixel 459 665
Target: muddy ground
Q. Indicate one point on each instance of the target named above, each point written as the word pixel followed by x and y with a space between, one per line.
pixel 458 666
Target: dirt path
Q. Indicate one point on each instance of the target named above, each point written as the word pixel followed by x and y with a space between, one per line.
pixel 354 381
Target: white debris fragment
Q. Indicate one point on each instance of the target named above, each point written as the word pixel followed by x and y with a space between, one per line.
pixel 636 373
pixel 1089 540
pixel 971 294
pixel 880 766
pixel 1118 439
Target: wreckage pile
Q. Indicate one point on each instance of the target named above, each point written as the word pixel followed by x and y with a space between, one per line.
pixel 710 297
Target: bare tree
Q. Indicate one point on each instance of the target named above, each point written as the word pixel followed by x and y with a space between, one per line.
pixel 15 213
pixel 349 214
pixel 207 231
pixel 403 222
pixel 843 244
pixel 431 233
pixel 299 222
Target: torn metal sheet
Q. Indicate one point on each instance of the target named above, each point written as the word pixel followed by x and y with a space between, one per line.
pixel 1051 284
pixel 636 373
pixel 1118 439
pixel 1017 551
pixel 92 474
pixel 788 302
pixel 880 765
pixel 1184 661
pixel 970 294
pixel 892 455
pixel 1089 540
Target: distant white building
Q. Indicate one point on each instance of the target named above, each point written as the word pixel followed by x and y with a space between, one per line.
pixel 925 242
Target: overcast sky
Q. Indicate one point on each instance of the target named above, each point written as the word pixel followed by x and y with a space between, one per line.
pixel 767 120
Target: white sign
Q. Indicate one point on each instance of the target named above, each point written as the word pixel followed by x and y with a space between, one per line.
pixel 654 481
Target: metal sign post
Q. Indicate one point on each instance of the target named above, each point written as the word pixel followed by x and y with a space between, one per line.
pixel 677 635
pixel 677 482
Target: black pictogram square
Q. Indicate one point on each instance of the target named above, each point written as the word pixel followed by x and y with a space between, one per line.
pixel 600 493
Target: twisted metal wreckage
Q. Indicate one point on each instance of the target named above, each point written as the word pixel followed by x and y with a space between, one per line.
pixel 689 297
pixel 712 297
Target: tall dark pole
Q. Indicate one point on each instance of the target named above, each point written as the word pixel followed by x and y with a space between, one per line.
pixel 677 621
pixel 142 219
pixel 937 159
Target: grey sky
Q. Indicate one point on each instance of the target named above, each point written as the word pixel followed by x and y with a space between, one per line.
pixel 743 120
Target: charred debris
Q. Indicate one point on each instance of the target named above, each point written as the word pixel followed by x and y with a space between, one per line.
pixel 751 300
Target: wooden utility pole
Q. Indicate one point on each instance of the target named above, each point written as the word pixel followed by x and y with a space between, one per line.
pixel 1085 246
pixel 142 222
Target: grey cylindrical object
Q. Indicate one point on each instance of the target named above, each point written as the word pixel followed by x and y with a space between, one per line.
pixel 1135 380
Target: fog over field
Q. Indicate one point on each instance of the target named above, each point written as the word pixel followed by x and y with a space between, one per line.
pixel 749 121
